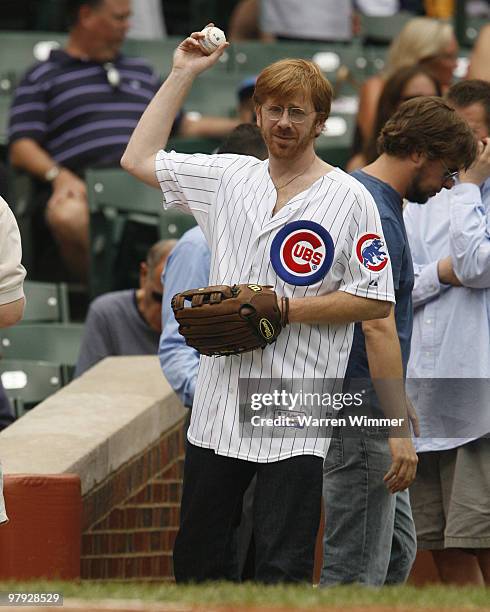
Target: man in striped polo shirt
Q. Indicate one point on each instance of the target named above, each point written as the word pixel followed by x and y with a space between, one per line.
pixel 77 110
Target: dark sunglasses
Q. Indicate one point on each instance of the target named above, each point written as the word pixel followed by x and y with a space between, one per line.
pixel 449 174
pixel 157 297
pixel 112 74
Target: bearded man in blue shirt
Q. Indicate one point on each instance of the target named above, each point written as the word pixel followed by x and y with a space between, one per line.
pixel 369 531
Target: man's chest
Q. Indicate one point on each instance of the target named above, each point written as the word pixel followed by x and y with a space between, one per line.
pixel 298 245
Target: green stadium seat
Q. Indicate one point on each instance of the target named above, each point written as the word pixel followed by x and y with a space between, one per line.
pixel 335 60
pixel 57 343
pixel 46 303
pixel 214 94
pixel 382 30
pixel 473 26
pixel 376 56
pixel 193 145
pixel 115 191
pixel 20 50
pixel 126 218
pixel 5 101
pixel 335 144
pixel 27 383
pixel 21 200
pixel 160 54
pixel 174 224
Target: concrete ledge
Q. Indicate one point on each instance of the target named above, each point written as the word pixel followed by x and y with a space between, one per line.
pixel 95 424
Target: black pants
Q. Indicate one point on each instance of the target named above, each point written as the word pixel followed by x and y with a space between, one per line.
pixel 286 516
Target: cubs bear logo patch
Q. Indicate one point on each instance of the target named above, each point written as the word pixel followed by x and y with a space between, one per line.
pixel 371 252
pixel 302 252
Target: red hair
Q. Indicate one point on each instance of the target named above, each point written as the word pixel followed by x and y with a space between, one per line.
pixel 289 77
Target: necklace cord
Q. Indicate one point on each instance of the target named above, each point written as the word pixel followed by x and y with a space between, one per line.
pixel 295 177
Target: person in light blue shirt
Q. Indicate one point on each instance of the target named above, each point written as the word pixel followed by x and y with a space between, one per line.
pixel 187 267
pixel 449 367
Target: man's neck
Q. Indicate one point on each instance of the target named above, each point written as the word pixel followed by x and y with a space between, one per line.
pixel 395 172
pixel 83 47
pixel 283 167
pixel 140 304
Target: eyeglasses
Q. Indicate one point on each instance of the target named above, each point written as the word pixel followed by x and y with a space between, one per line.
pixel 449 174
pixel 157 297
pixel 296 115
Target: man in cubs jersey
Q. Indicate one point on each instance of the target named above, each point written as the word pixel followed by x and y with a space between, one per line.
pixel 293 222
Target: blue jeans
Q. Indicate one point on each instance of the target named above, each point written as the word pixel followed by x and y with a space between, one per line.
pixel 369 533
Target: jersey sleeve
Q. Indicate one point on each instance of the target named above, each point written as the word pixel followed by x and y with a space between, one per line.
pixel 469 234
pixel 191 182
pixel 368 272
pixel 12 272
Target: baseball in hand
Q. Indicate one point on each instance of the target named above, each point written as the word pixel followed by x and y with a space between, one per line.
pixel 213 38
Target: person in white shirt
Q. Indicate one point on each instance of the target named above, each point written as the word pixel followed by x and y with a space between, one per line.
pixel 449 366
pixel 12 274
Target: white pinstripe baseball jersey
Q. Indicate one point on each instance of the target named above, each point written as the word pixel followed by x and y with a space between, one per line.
pixel 327 238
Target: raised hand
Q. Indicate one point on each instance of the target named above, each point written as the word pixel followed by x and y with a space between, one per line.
pixel 189 55
pixel 480 170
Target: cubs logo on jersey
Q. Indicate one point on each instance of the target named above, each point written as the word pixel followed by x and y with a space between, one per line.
pixel 371 252
pixel 302 252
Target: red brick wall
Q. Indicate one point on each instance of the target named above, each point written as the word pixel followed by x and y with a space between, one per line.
pixel 130 521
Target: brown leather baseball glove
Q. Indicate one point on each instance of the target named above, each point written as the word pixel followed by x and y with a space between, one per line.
pixel 224 320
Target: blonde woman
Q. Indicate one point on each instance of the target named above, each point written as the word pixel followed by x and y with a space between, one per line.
pixel 424 41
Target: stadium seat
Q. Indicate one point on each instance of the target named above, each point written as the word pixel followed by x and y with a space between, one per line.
pixel 126 218
pixel 23 49
pixel 58 343
pixel 5 101
pixel 46 303
pixel 473 26
pixel 335 60
pixel 376 58
pixel 193 145
pixel 173 224
pixel 334 145
pixel 20 50
pixel 160 54
pixel 382 30
pixel 214 94
pixel 27 382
